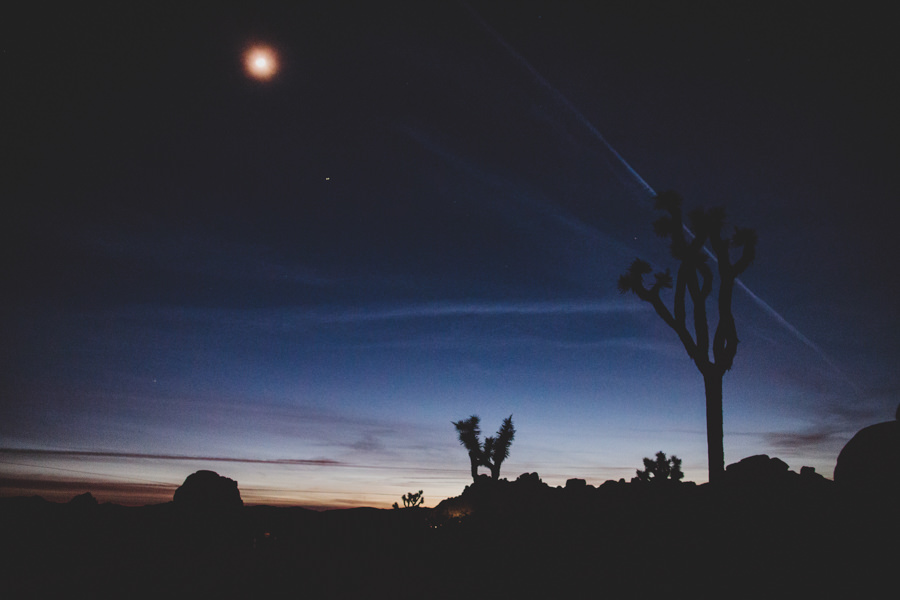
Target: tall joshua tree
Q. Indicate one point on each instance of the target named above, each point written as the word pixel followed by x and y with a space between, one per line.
pixel 495 449
pixel 694 280
pixel 468 431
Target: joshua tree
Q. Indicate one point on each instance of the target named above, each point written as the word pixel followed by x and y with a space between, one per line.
pixel 695 280
pixel 661 469
pixel 468 431
pixel 495 448
pixel 411 500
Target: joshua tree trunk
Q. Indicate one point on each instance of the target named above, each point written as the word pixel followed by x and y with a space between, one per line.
pixel 474 457
pixel 712 382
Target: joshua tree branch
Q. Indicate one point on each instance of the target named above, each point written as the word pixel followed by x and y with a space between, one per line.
pixel 633 281
pixel 698 299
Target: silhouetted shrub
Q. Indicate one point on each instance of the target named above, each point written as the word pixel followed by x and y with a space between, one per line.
pixel 411 500
pixel 659 470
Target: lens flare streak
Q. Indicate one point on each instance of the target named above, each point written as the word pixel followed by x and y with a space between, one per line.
pixel 644 186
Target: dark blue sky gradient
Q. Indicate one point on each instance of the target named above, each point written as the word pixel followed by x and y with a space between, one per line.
pixel 311 277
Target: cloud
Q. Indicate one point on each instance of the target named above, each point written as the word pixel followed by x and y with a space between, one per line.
pixel 36 453
pixel 288 318
pixel 453 309
pixel 76 486
pixel 794 441
pixel 369 443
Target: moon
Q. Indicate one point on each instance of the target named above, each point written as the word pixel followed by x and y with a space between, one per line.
pixel 261 62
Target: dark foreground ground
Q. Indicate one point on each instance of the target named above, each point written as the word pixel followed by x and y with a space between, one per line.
pixel 522 539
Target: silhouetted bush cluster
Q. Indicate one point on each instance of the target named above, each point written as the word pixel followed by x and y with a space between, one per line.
pixel 660 470
pixel 411 500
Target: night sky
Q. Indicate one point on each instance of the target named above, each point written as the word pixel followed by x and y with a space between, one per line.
pixel 300 282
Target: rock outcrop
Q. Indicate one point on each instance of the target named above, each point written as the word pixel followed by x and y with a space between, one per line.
pixel 759 470
pixel 209 491
pixel 83 500
pixel 870 461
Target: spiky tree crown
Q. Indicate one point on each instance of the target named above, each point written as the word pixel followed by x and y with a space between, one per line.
pixel 661 469
pixel 469 431
pixel 495 448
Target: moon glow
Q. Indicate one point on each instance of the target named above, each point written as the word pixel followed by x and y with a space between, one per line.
pixel 261 62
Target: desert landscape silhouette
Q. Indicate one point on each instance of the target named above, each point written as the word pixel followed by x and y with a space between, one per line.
pixel 759 529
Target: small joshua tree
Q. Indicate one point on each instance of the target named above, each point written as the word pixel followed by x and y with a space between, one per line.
pixel 495 449
pixel 660 470
pixel 411 500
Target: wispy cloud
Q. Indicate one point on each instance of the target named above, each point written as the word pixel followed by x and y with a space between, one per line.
pixel 317 462
pixel 453 309
pixel 36 453
pixel 69 486
pixel 285 319
pixel 794 441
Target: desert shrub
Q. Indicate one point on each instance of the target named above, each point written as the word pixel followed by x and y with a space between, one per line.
pixel 660 469
pixel 411 500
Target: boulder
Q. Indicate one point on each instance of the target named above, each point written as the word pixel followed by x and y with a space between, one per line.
pixel 870 461
pixel 576 484
pixel 757 469
pixel 207 490
pixel 529 480
pixel 761 474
